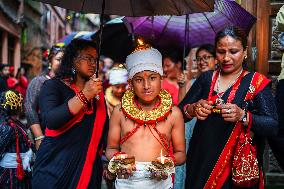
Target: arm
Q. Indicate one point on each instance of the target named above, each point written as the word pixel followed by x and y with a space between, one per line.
pixel 23 81
pixel 31 106
pixel 31 102
pixel 264 114
pixel 182 92
pixel 178 137
pixel 113 142
pixel 195 93
pixel 182 82
pixel 54 111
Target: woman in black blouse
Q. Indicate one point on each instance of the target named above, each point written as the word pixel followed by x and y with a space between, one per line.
pixel 75 121
pixel 217 100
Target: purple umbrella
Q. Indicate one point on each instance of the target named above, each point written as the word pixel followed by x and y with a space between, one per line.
pixel 200 27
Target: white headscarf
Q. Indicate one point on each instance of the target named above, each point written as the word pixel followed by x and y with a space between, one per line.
pixel 118 76
pixel 144 60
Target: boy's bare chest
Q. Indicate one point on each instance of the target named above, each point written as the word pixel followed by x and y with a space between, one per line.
pixel 148 131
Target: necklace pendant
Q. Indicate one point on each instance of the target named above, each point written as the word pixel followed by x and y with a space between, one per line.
pixel 219 101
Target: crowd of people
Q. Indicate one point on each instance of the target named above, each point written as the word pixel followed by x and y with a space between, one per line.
pixel 143 124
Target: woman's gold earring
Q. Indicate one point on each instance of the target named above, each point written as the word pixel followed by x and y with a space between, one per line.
pixel 49 66
pixel 245 57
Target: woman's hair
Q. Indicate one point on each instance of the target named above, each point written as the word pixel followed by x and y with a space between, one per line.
pixel 207 47
pixel 11 103
pixel 233 32
pixel 53 51
pixel 70 54
pixel 174 54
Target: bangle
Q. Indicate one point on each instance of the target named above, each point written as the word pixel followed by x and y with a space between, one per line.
pixel 39 138
pixel 186 111
pixel 80 95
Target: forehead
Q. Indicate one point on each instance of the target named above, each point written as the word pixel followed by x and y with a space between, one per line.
pixel 59 54
pixel 228 41
pixel 145 73
pixel 120 85
pixel 167 60
pixel 89 50
pixel 6 68
pixel 203 52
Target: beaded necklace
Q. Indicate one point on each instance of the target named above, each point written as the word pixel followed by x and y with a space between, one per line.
pixel 235 85
pixel 132 110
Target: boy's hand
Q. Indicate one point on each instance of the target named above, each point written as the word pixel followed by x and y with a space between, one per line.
pixel 159 175
pixel 107 174
pixel 124 173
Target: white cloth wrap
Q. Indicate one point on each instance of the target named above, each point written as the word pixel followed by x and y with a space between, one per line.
pixel 9 160
pixel 141 179
pixel 144 60
pixel 118 76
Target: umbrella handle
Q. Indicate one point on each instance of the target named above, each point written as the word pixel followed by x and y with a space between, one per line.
pixel 185 41
pixel 100 38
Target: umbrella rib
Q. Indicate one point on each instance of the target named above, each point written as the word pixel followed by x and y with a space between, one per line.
pixel 209 23
pixel 207 5
pixel 185 1
pixel 141 24
pixel 82 7
pixel 173 1
pixel 164 29
pixel 224 14
pixel 131 5
pixel 153 10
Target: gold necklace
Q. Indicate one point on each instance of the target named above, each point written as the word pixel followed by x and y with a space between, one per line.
pixel 146 117
pixel 110 98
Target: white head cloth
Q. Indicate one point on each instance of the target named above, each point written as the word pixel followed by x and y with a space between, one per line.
pixel 118 76
pixel 144 60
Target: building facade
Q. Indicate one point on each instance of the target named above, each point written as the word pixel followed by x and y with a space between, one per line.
pixel 26 29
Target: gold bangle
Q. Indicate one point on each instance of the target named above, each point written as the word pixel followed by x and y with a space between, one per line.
pixel 186 111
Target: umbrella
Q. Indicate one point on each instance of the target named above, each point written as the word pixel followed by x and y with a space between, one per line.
pixel 135 7
pixel 117 42
pixel 81 35
pixel 132 8
pixel 191 29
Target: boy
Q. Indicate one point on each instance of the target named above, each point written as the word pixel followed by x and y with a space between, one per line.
pixel 146 125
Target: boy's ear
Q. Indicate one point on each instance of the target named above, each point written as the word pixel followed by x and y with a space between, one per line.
pixel 130 86
pixel 179 64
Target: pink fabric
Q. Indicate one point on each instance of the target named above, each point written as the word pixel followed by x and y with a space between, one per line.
pixel 172 89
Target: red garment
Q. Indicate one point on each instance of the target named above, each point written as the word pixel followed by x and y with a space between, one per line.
pixel 172 89
pixel 22 85
pixel 12 82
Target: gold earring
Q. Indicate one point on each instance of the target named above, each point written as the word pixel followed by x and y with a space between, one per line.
pixel 49 66
pixel 245 57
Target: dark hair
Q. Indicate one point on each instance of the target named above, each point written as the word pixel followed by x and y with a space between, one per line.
pixel 19 72
pixel 234 32
pixel 2 66
pixel 70 54
pixel 53 51
pixel 9 109
pixel 174 54
pixel 207 47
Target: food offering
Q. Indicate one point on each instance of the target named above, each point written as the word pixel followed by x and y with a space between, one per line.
pixel 121 161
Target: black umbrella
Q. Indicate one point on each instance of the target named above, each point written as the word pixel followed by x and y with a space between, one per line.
pixel 117 42
pixel 133 8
